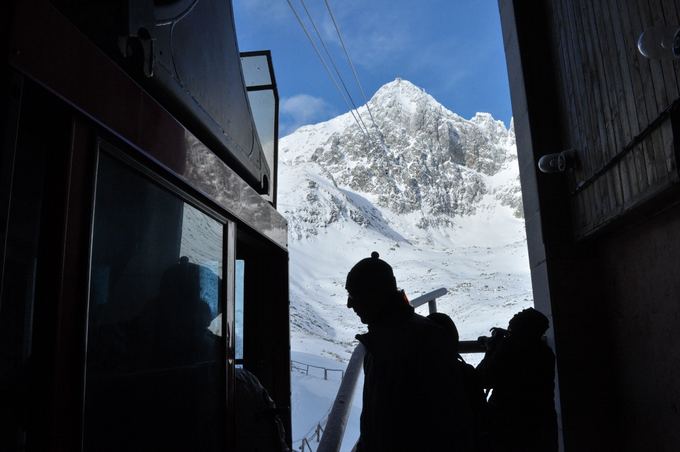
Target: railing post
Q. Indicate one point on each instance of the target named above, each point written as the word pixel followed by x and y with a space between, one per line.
pixel 325 374
pixel 421 300
pixel 432 306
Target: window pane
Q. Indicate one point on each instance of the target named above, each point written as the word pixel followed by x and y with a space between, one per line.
pixel 263 104
pixel 256 70
pixel 19 279
pixel 155 361
pixel 238 316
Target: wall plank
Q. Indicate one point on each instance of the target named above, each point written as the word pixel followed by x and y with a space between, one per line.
pixel 610 93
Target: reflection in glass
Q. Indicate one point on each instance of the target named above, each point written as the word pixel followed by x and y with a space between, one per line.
pixel 263 99
pixel 207 173
pixel 18 283
pixel 263 105
pixel 661 42
pixel 155 359
pixel 238 315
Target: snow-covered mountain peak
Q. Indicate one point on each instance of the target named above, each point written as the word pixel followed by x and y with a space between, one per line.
pixel 417 159
pixel 487 121
pixel 403 95
pixel 400 86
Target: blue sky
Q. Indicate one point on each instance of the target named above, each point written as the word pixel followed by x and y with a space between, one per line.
pixel 451 48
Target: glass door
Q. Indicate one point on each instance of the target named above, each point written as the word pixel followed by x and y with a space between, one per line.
pixel 156 348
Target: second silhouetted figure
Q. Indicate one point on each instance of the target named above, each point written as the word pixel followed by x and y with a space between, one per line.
pixel 519 367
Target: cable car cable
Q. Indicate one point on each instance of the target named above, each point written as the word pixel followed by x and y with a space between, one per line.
pixel 335 67
pixel 351 65
pixel 325 65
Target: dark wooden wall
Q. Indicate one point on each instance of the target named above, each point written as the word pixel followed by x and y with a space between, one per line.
pixel 604 245
pixel 610 95
pixel 639 269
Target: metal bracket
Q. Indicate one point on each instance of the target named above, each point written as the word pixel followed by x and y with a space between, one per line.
pixel 137 43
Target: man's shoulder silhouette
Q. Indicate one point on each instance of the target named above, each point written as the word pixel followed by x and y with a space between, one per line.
pixel 407 368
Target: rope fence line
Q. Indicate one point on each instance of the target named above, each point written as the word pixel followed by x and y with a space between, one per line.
pixel 305 444
pixel 304 368
pixel 310 441
pixel 313 435
pixel 313 430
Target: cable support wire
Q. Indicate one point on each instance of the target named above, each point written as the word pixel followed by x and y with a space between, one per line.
pixel 351 65
pixel 332 61
pixel 325 66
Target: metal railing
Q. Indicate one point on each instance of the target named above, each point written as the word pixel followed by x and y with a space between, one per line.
pixel 337 418
pixel 430 298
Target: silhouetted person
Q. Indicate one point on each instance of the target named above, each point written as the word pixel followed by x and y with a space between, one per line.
pixel 164 375
pixel 474 392
pixel 258 425
pixel 410 368
pixel 519 367
pixel 185 357
pixel 180 318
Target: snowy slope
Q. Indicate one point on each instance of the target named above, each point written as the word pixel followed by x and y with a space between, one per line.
pixel 436 195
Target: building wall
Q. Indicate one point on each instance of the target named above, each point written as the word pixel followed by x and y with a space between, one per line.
pixel 610 94
pixel 603 258
pixel 640 268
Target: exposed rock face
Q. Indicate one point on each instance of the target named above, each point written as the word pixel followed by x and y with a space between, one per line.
pixel 421 161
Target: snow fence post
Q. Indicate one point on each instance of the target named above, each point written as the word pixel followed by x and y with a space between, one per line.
pixel 331 439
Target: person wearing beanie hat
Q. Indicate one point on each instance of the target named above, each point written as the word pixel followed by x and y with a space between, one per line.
pixel 520 368
pixel 413 397
pixel 372 288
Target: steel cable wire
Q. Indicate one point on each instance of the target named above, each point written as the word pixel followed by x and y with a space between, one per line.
pixel 335 67
pixel 325 65
pixel 351 64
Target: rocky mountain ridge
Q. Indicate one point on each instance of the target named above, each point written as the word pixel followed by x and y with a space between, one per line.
pixel 419 160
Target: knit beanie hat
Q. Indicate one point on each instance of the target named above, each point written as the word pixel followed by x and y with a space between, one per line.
pixel 371 277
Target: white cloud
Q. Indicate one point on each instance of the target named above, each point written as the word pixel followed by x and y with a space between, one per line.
pixel 302 109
